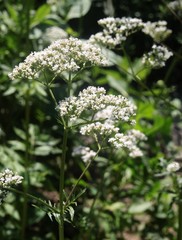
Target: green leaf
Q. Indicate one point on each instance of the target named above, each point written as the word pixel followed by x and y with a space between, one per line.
pixel 71 212
pixel 12 12
pixel 79 9
pixel 40 15
pixel 43 150
pixel 9 91
pixel 115 206
pixel 17 145
pixel 145 110
pixel 118 85
pixel 139 207
pixel 20 133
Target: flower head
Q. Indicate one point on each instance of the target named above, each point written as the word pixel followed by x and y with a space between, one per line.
pixel 95 100
pixel 62 55
pixel 101 114
pixel 128 141
pixel 85 152
pixel 157 57
pixel 8 179
pixel 116 30
pixel 176 6
pixel 157 30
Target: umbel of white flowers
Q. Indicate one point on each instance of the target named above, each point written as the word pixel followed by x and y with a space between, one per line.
pixel 117 30
pixel 72 54
pixel 8 179
pixel 157 57
pixel 157 30
pixel 85 152
pixel 69 55
pixel 100 115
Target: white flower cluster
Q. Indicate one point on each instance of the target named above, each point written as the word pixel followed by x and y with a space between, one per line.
pixel 8 179
pixel 85 152
pixel 116 30
pixel 157 57
pixel 176 6
pixel 105 111
pixel 157 30
pixel 63 55
pixel 128 141
pixel 95 100
pixel 99 128
pixel 173 167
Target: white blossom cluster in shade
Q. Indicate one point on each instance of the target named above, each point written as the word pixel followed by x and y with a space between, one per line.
pixel 85 152
pixel 175 6
pixel 95 99
pixel 106 112
pixel 128 141
pixel 173 167
pixel 8 179
pixel 157 30
pixel 68 55
pixel 116 30
pixel 157 57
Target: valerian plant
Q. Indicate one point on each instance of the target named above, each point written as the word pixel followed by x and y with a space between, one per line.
pixel 92 112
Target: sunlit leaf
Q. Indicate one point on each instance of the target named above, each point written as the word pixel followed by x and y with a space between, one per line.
pixel 40 14
pixel 79 9
pixel 140 207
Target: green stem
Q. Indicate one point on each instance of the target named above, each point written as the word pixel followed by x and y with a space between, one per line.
pixel 80 177
pixel 27 6
pixel 26 165
pixel 52 96
pixel 62 166
pixel 33 198
pixel 61 184
pixel 179 237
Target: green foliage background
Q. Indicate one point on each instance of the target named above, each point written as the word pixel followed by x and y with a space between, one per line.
pixel 124 198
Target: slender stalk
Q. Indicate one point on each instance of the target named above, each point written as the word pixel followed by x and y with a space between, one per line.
pixel 179 237
pixel 52 96
pixel 26 165
pixel 80 177
pixel 27 6
pixel 33 198
pixel 62 166
pixel 61 184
